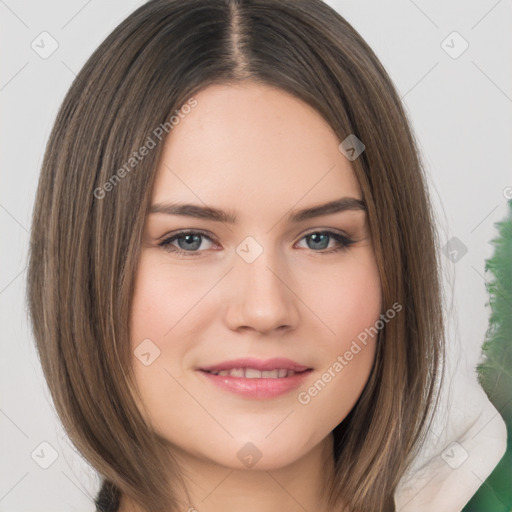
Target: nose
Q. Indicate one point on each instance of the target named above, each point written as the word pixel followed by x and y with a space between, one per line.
pixel 263 299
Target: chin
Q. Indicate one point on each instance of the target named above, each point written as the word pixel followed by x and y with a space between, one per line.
pixel 268 454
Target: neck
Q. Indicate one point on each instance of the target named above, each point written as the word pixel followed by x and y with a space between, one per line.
pixel 300 486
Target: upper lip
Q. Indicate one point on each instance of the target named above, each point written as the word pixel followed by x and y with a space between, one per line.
pixel 257 364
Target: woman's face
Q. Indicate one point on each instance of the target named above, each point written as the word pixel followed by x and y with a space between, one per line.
pixel 269 286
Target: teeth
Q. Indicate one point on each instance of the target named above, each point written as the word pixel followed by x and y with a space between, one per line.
pixel 252 373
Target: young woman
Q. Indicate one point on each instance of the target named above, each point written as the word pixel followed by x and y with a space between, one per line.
pixel 233 279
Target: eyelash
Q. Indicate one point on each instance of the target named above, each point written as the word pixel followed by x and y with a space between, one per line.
pixel 343 241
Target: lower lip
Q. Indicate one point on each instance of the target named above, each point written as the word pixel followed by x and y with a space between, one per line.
pixel 257 388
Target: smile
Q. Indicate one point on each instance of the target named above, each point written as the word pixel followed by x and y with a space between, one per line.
pixel 268 381
pixel 253 373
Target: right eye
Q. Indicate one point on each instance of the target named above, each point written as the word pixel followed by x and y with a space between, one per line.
pixel 188 243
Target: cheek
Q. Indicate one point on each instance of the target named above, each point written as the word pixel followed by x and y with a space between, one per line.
pixel 155 317
pixel 348 302
pixel 350 308
pixel 347 297
pixel 161 299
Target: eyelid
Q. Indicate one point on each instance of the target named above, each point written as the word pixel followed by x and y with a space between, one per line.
pixel 213 238
pixel 194 231
pixel 325 230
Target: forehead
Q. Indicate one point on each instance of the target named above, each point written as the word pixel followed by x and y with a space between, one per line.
pixel 252 146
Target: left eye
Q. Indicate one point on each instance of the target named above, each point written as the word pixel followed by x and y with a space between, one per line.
pixel 189 242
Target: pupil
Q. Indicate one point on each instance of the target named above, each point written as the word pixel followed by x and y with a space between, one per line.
pixel 315 238
pixel 190 238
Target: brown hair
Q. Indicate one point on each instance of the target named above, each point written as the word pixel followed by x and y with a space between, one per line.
pixel 89 217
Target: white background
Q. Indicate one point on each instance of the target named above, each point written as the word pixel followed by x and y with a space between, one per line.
pixel 461 112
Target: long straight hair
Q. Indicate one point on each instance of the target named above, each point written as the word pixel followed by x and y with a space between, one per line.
pixel 93 198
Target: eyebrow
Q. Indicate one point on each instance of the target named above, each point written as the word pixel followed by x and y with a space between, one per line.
pixel 229 217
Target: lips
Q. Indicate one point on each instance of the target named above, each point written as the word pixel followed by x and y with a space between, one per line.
pixel 253 373
pixel 256 379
